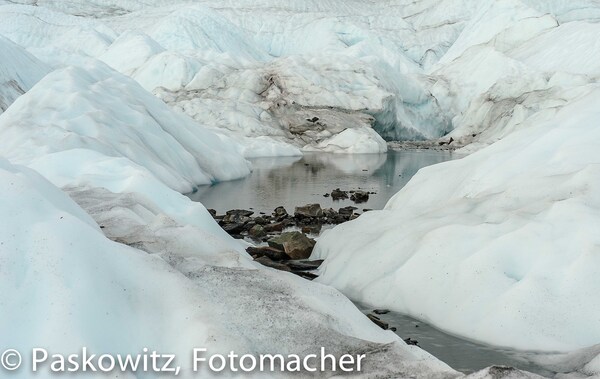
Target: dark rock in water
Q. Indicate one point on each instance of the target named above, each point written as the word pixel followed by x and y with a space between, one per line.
pixel 451 140
pixel 304 265
pixel 347 212
pixel 338 194
pixel 326 195
pixel 233 228
pixel 312 229
pixel 354 216
pixel 275 227
pixel 280 211
pixel 241 212
pixel 367 210
pixel 381 311
pixel 378 322
pixel 257 231
pixel 412 342
pixel 329 213
pixel 295 244
pixel 360 196
pixel 310 210
pixel 261 220
pixel 265 261
pixel 313 120
pixel 237 216
pixel 212 212
pixel 269 252
pixel 393 329
pixel 306 275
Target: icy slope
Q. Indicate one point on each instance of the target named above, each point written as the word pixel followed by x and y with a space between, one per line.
pixel 513 60
pixel 505 251
pixel 19 71
pixel 121 300
pixel 82 122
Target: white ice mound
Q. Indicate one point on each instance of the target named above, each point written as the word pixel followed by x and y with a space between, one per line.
pixel 500 246
pixel 95 125
pixel 19 71
pixel 67 287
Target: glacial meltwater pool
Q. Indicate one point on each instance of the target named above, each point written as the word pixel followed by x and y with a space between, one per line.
pixel 296 181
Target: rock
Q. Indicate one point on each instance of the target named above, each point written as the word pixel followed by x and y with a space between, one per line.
pixel 265 261
pixel 338 194
pixel 360 196
pixel 329 213
pixel 304 265
pixel 280 212
pixel 275 227
pixel 233 228
pixel 381 311
pixel 257 231
pixel 212 212
pixel 312 229
pixel 313 120
pixel 241 212
pixel 347 212
pixel 309 210
pixel 378 322
pixel 412 342
pixel 306 275
pixel 367 210
pixel 269 252
pixel 393 329
pixel 261 220
pixel 326 195
pixel 295 244
pixel 237 216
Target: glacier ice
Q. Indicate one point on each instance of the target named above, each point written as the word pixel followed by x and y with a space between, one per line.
pixel 19 71
pixel 68 286
pixel 504 251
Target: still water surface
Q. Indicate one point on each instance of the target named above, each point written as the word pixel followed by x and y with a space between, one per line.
pixel 295 181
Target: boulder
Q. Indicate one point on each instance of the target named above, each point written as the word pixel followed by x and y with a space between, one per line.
pixel 360 196
pixel 275 227
pixel 304 265
pixel 280 212
pixel 347 212
pixel 237 216
pixel 269 252
pixel 265 261
pixel 257 231
pixel 338 194
pixel 295 244
pixel 309 211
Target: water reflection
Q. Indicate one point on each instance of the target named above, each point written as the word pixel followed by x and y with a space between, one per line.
pixel 293 181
